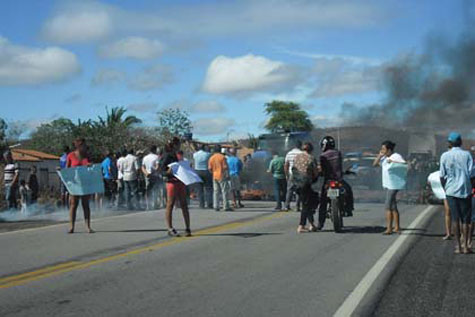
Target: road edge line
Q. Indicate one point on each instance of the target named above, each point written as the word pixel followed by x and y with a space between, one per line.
pixel 361 300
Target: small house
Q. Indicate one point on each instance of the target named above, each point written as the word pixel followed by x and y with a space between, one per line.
pixel 46 166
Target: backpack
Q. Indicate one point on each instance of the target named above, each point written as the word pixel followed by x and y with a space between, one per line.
pixel 302 170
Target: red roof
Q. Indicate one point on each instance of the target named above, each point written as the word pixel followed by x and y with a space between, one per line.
pixel 32 155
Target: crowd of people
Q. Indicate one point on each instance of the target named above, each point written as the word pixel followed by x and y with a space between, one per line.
pixel 144 181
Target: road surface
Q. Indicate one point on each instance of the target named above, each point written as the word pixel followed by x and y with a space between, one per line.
pixel 246 263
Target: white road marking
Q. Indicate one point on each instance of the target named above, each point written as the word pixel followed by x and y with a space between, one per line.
pixel 352 301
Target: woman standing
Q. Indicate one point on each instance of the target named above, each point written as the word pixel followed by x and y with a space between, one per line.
pixel 176 190
pixel 79 157
pixel 385 159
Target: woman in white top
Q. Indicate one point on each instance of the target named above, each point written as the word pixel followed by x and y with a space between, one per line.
pixel 385 157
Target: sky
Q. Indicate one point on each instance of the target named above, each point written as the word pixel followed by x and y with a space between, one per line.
pixel 220 61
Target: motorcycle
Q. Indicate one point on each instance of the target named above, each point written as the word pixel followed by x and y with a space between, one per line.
pixel 336 203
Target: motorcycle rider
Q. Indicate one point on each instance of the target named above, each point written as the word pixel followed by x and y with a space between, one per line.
pixel 331 164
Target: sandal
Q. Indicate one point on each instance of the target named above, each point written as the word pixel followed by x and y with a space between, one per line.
pixel 447 237
pixel 301 229
pixel 387 233
pixel 173 233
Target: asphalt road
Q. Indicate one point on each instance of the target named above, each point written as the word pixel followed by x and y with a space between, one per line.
pixel 246 263
pixel 432 280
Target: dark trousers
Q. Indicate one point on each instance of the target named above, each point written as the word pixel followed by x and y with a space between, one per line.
pixel 10 196
pixel 110 190
pixel 280 191
pixel 205 189
pixel 309 203
pixel 460 209
pixel 131 194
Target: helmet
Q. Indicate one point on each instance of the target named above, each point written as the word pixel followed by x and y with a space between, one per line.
pixel 327 143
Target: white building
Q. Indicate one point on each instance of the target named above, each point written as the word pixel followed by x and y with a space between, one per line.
pixel 46 166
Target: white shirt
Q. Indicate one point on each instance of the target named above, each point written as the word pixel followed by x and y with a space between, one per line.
pixel 150 162
pixel 129 167
pixel 119 164
pixel 290 158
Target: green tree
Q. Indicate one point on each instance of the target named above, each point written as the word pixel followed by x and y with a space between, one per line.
pixel 287 116
pixel 53 136
pixel 174 122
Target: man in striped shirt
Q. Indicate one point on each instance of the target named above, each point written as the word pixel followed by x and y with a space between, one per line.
pixel 10 180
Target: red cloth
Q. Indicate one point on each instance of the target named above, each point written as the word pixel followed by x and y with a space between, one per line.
pixel 72 160
pixel 176 189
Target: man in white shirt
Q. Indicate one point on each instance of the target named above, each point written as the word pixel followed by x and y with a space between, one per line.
pixel 10 180
pixel 120 178
pixel 289 163
pixel 129 168
pixel 150 171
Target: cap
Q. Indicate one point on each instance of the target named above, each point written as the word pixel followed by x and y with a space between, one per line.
pixel 454 137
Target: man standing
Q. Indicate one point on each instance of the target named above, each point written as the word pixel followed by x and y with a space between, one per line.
pixel 457 175
pixel 218 167
pixel 235 168
pixel 289 163
pixel 33 185
pixel 150 171
pixel 276 168
pixel 129 168
pixel 10 180
pixel 62 164
pixel 107 173
pixel 120 178
pixel 205 188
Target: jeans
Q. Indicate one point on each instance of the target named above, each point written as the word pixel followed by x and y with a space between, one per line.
pixel 460 208
pixel 309 203
pixel 280 191
pixel 223 187
pixel 10 196
pixel 205 189
pixel 131 194
pixel 291 189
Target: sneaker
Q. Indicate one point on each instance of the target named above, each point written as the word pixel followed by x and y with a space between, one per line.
pixel 288 209
pixel 228 209
pixel 241 205
pixel 216 209
pixel 188 233
pixel 173 233
pixel 277 209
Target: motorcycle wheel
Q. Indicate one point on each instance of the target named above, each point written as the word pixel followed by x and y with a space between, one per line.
pixel 336 215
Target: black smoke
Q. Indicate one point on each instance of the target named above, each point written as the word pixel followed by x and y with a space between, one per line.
pixel 433 90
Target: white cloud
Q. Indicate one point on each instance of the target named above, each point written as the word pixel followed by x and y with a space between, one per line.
pixel 83 21
pixel 339 77
pixel 248 73
pixel 154 77
pixel 21 65
pixel 107 76
pixel 132 47
pixel 143 107
pixel 79 23
pixel 213 126
pixel 207 106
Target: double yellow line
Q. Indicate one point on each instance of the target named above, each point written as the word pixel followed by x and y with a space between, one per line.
pixel 20 279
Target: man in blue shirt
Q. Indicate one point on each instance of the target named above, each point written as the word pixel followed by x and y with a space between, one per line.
pixel 62 164
pixel 457 173
pixel 108 171
pixel 204 189
pixel 235 168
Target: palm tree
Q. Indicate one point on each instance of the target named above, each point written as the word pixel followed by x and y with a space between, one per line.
pixel 114 118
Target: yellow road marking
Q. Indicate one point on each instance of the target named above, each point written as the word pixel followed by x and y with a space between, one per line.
pixel 24 278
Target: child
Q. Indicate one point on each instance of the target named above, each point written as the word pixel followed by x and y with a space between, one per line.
pixel 23 196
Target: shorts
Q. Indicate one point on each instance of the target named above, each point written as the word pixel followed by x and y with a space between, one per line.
pixel 460 208
pixel 235 182
pixel 391 201
pixel 176 189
